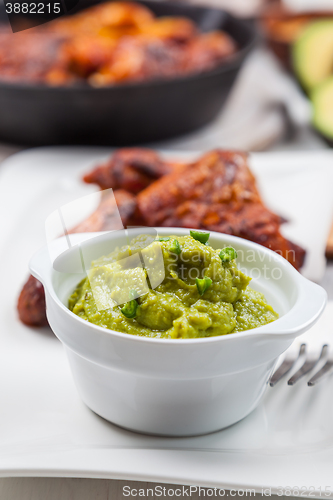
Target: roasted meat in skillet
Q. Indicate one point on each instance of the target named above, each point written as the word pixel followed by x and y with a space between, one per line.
pixel 109 44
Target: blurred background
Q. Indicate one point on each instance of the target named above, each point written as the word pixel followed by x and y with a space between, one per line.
pixel 271 106
pixel 277 92
pixel 267 85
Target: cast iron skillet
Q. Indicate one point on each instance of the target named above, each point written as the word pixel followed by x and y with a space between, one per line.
pixel 126 114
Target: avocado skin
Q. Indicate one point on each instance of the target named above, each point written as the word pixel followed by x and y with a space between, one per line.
pixel 312 54
pixel 322 100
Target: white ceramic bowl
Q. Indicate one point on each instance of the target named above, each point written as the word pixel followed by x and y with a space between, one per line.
pixel 180 387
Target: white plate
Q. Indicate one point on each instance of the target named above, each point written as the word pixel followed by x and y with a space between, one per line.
pixel 45 430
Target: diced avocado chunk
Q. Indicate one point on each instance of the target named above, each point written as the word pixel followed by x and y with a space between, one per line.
pixel 322 99
pixel 313 53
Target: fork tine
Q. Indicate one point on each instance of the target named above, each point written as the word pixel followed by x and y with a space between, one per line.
pixel 308 365
pixel 326 370
pixel 286 366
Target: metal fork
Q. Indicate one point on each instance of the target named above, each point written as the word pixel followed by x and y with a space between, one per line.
pixel 310 362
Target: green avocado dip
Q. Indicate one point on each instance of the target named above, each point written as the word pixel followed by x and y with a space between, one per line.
pixel 172 287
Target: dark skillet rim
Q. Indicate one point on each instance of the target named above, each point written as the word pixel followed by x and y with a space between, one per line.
pixel 234 61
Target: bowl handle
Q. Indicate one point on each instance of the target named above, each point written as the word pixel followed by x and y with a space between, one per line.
pixel 309 306
pixel 39 265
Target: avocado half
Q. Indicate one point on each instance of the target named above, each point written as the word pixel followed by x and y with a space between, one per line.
pixel 322 99
pixel 312 53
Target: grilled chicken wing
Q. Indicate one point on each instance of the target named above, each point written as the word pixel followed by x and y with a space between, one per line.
pixel 218 193
pixel 132 169
pixel 147 57
pixel 110 18
pixel 177 29
pixel 106 217
pixel 27 57
pixel 31 302
pixel 205 51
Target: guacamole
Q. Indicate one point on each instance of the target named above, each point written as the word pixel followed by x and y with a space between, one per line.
pixel 173 287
